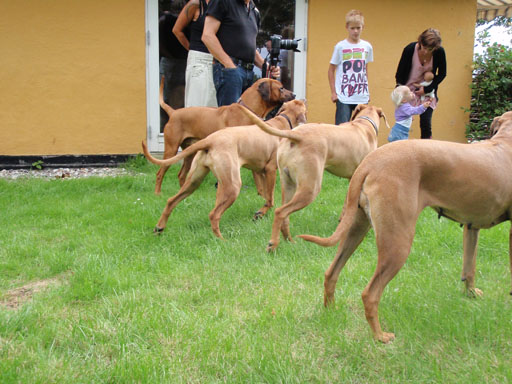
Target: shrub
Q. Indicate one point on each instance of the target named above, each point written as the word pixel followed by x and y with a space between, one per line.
pixel 491 88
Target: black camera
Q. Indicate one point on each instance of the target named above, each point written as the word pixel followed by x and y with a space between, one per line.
pixel 278 43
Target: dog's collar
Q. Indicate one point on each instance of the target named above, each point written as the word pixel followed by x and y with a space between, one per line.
pixel 241 102
pixel 287 119
pixel 371 122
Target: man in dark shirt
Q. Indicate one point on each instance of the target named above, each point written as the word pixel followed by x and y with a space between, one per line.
pixel 229 33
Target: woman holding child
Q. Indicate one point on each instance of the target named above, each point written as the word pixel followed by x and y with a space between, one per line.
pixel 425 55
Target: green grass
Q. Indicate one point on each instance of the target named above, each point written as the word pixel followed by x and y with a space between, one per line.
pixel 186 307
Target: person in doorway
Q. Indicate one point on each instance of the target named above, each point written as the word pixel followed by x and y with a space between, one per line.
pixel 418 57
pixel 348 69
pixel 199 87
pixel 229 33
pixel 173 62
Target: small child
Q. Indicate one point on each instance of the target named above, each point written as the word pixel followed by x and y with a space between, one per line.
pixel 402 96
pixel 347 70
pixel 427 80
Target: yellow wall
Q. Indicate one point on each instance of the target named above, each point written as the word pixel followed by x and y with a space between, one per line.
pixel 73 72
pixel 389 26
pixel 72 77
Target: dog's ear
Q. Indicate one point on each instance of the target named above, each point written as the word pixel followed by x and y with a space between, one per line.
pixel 265 89
pixel 302 116
pixel 358 109
pixel 381 114
pixel 495 125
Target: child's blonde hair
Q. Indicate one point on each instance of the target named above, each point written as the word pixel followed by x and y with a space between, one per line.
pixel 398 94
pixel 354 16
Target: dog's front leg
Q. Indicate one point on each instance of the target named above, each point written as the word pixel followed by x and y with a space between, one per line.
pixel 469 262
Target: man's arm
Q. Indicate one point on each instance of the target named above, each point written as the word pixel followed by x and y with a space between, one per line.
pixel 209 38
pixel 259 60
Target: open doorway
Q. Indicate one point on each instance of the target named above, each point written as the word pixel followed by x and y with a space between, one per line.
pixel 287 18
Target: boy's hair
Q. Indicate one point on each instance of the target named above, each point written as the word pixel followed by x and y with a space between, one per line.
pixel 430 38
pixel 354 16
pixel 398 94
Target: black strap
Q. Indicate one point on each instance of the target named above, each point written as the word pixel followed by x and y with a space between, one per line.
pixel 287 119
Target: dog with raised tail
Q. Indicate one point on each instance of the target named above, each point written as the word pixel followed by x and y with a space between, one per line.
pixel 223 153
pixel 310 149
pixel 188 125
pixel 467 183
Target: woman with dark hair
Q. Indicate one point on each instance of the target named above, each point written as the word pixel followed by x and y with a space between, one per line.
pixel 424 55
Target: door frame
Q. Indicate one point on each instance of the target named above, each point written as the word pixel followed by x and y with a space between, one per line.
pixel 152 79
pixel 154 138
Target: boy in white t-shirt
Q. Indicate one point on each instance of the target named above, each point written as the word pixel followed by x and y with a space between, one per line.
pixel 348 69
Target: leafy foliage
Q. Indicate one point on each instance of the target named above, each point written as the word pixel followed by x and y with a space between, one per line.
pixel 491 88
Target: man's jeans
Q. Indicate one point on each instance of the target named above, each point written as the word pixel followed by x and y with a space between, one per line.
pixel 230 83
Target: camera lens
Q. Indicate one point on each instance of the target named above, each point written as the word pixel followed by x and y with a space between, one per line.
pixel 289 44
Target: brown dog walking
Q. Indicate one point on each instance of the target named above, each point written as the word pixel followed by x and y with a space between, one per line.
pixel 187 125
pixel 467 183
pixel 224 152
pixel 310 149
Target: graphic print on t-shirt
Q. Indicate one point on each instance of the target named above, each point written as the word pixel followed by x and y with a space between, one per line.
pixel 353 77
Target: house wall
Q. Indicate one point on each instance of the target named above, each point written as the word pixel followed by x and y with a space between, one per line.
pixel 73 77
pixel 389 26
pixel 73 72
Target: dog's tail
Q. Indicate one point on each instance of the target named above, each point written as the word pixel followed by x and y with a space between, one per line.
pixel 193 149
pixel 271 130
pixel 349 212
pixel 166 107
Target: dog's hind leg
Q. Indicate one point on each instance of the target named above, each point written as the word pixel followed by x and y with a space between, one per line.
pixel 259 181
pixel 356 234
pixel 394 233
pixel 171 148
pixel 185 169
pixel 194 179
pixel 228 189
pixel 288 189
pixel 469 262
pixel 297 196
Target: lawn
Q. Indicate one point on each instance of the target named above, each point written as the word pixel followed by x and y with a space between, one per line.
pixel 89 295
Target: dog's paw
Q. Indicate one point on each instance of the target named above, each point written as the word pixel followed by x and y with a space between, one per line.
pixel 475 292
pixel 158 231
pixel 386 337
pixel 271 247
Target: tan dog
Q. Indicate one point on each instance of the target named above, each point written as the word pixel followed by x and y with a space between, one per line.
pixel 224 152
pixel 468 183
pixel 311 148
pixel 194 123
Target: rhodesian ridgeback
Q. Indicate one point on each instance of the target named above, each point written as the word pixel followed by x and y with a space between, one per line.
pixel 467 183
pixel 187 125
pixel 310 149
pixel 224 152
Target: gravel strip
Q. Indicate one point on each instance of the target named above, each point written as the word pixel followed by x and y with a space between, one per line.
pixel 63 173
